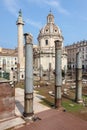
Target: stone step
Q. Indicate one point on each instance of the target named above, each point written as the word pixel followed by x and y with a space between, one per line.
pixel 11 123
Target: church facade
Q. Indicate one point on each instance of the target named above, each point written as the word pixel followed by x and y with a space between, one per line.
pixel 44 53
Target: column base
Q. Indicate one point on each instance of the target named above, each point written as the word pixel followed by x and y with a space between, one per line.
pixel 28 114
pixel 79 101
pixel 57 103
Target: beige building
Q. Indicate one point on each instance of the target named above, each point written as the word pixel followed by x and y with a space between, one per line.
pixel 8 62
pixel 8 59
pixel 44 53
pixel 71 52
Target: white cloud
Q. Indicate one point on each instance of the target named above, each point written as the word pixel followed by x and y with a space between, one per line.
pixel 62 10
pixel 52 3
pixel 57 5
pixel 12 6
pixel 33 23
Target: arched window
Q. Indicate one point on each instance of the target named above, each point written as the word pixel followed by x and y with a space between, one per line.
pixel 46 42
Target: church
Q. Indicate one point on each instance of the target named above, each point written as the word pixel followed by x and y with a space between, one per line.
pixel 44 52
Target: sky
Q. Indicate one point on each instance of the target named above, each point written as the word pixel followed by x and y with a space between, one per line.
pixel 70 17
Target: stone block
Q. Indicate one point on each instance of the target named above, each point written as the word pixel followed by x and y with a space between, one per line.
pixel 7 100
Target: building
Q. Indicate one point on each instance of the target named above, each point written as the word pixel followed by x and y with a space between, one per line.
pixel 8 61
pixel 71 53
pixel 44 53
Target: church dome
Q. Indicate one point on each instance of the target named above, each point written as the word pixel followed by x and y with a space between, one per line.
pixel 50 29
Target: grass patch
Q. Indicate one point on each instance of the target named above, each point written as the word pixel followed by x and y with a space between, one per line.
pixel 68 103
pixel 48 100
pixel 71 106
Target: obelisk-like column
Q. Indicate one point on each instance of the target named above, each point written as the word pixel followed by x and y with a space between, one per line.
pixel 58 73
pixel 79 77
pixel 28 92
pixel 20 24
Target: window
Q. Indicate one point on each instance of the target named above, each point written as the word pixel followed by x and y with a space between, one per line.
pixel 12 69
pixel 22 76
pixel 79 49
pixel 15 63
pixel 46 42
pixel 83 56
pixel 55 30
pixel 46 30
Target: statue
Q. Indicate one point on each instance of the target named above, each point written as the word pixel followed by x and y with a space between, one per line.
pixel 20 13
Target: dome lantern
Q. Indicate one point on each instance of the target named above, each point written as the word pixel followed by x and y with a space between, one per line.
pixel 50 18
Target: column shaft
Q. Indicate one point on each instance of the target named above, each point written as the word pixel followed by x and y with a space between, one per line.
pixel 28 99
pixel 78 78
pixel 58 73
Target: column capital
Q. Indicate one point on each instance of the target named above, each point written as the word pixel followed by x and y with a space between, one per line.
pixel 58 44
pixel 28 38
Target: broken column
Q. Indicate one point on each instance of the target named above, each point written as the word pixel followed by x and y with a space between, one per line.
pixel 78 77
pixel 18 72
pixel 41 72
pixel 58 73
pixel 4 65
pixel 28 99
pixel 49 75
pixel 11 75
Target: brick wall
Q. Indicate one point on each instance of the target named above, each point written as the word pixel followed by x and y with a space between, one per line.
pixel 7 100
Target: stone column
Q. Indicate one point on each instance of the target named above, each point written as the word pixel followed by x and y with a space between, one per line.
pixel 28 99
pixel 41 72
pixel 58 73
pixel 11 75
pixel 20 24
pixel 49 74
pixel 4 65
pixel 79 77
pixel 18 72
